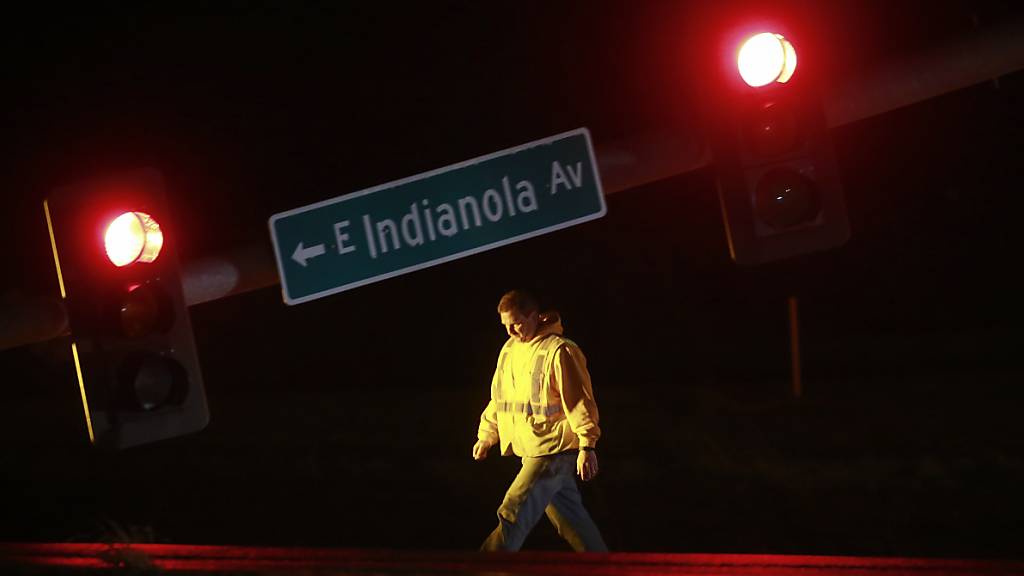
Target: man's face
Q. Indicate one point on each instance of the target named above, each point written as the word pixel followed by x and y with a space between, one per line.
pixel 519 326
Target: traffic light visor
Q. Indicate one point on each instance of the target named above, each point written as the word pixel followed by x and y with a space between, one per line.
pixel 133 237
pixel 766 58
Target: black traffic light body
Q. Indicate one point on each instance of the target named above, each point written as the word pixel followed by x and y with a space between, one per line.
pixel 133 347
pixel 778 180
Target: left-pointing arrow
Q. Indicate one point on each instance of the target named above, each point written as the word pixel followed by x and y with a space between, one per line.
pixel 302 254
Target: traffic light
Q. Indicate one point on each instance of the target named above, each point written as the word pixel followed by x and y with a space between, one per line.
pixel 778 181
pixel 115 251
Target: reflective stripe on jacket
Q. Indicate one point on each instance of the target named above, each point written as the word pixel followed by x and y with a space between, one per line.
pixel 542 401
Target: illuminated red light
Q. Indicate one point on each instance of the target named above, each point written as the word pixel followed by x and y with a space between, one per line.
pixel 133 237
pixel 766 58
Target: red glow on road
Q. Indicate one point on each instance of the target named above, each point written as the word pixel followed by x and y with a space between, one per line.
pixel 215 559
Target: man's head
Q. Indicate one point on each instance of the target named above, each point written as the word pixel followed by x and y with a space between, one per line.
pixel 520 314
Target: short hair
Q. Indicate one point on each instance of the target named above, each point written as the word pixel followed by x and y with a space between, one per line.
pixel 519 301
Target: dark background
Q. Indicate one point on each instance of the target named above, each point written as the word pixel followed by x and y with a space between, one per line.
pixel 348 421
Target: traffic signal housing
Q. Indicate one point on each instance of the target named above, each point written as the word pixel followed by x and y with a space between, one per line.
pixel 778 180
pixel 115 251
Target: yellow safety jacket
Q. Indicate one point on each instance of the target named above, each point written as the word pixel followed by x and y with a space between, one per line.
pixel 542 401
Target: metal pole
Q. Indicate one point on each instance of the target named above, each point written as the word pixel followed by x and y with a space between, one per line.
pixel 981 57
pixel 25 320
pixel 794 346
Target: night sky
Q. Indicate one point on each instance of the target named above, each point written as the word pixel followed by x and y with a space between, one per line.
pixel 349 421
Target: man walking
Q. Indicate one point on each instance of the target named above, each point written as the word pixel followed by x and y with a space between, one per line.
pixel 542 409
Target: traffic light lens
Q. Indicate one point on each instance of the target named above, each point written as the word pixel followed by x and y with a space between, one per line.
pixel 150 382
pixel 773 128
pixel 153 384
pixel 765 58
pixel 785 199
pixel 144 310
pixel 133 237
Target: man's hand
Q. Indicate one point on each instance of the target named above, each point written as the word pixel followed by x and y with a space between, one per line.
pixel 480 449
pixel 586 465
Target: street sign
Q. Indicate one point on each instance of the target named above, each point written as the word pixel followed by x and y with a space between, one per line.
pixel 436 217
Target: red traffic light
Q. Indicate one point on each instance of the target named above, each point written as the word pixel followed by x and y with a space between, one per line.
pixel 766 58
pixel 778 180
pixel 132 344
pixel 133 237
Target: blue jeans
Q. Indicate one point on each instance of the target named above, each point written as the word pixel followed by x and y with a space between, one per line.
pixel 545 484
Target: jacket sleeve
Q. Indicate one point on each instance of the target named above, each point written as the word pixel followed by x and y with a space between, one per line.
pixel 570 372
pixel 488 431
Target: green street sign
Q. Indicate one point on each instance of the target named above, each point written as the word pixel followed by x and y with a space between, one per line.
pixel 436 217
